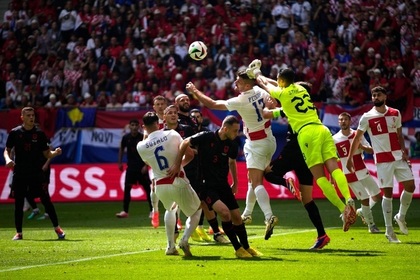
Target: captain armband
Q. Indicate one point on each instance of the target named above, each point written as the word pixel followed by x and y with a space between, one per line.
pixel 276 113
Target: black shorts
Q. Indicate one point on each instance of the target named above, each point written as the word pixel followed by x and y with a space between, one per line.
pixel 133 177
pixel 291 158
pixel 26 185
pixel 210 195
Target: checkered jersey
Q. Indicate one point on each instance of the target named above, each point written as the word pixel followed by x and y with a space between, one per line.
pixel 250 105
pixel 382 130
pixel 343 143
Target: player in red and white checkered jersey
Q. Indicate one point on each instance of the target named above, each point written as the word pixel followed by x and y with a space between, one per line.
pixel 383 125
pixel 362 184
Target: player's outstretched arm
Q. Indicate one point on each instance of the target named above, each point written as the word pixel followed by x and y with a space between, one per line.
pixel 184 149
pixel 207 101
pixel 354 146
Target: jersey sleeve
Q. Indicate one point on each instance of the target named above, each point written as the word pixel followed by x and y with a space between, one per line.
pixel 10 142
pixel 232 104
pixel 45 142
pixel 276 93
pixel 363 123
pixel 234 150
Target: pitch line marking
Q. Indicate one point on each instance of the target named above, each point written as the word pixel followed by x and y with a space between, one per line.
pixel 126 254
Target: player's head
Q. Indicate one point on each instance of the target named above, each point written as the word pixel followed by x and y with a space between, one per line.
pixel 27 115
pixel 286 77
pixel 182 101
pixel 150 119
pixel 171 115
pixel 243 82
pixel 230 127
pixel 159 104
pixel 196 114
pixel 344 120
pixel 305 85
pixel 134 125
pixel 378 96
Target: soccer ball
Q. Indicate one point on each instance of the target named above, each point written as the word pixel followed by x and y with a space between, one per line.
pixel 197 50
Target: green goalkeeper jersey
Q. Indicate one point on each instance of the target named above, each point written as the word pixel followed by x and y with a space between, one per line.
pixel 297 105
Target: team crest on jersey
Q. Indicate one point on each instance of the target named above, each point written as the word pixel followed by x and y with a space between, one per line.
pixel 34 137
pixel 225 150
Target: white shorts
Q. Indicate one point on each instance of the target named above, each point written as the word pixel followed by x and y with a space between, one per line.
pixel 180 192
pixel 258 153
pixel 365 188
pixel 387 170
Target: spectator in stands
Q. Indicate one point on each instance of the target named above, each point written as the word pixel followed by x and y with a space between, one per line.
pixel 354 93
pixel 415 146
pixel 400 91
pixel 113 104
pixel 130 104
pixel 376 79
pixel 71 101
pixel 67 19
pixel 88 100
pixel 53 102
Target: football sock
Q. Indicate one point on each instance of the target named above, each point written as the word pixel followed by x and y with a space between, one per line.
pixel 405 201
pixel 330 193
pixel 341 181
pixel 240 231
pixel 230 233
pixel 155 201
pixel 371 202
pixel 250 201
pixel 201 221
pixel 313 213
pixel 367 213
pixel 263 201
pixel 170 223
pixel 214 225
pixel 387 211
pixel 191 224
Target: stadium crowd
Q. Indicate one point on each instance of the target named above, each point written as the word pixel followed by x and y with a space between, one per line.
pixel 119 54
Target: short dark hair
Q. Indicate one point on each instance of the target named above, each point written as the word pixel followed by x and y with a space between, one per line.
pixel 136 121
pixel 379 89
pixel 230 120
pixel 196 111
pixel 160 97
pixel 287 74
pixel 345 114
pixel 170 107
pixel 27 109
pixel 150 118
pixel 305 85
pixel 242 74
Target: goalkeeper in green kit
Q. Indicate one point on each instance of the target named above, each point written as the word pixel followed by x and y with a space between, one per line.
pixel 315 139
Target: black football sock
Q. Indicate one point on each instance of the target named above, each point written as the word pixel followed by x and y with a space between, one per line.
pixel 229 230
pixel 240 231
pixel 313 213
pixel 201 221
pixel 214 225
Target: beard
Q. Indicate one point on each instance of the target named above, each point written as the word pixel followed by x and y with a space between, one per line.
pixel 379 103
pixel 184 109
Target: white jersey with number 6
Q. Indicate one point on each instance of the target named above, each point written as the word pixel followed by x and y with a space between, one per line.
pixel 159 151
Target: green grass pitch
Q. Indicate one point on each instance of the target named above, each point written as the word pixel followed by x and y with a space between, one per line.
pixel 100 246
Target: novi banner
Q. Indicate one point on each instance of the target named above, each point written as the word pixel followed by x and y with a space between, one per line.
pixel 104 182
